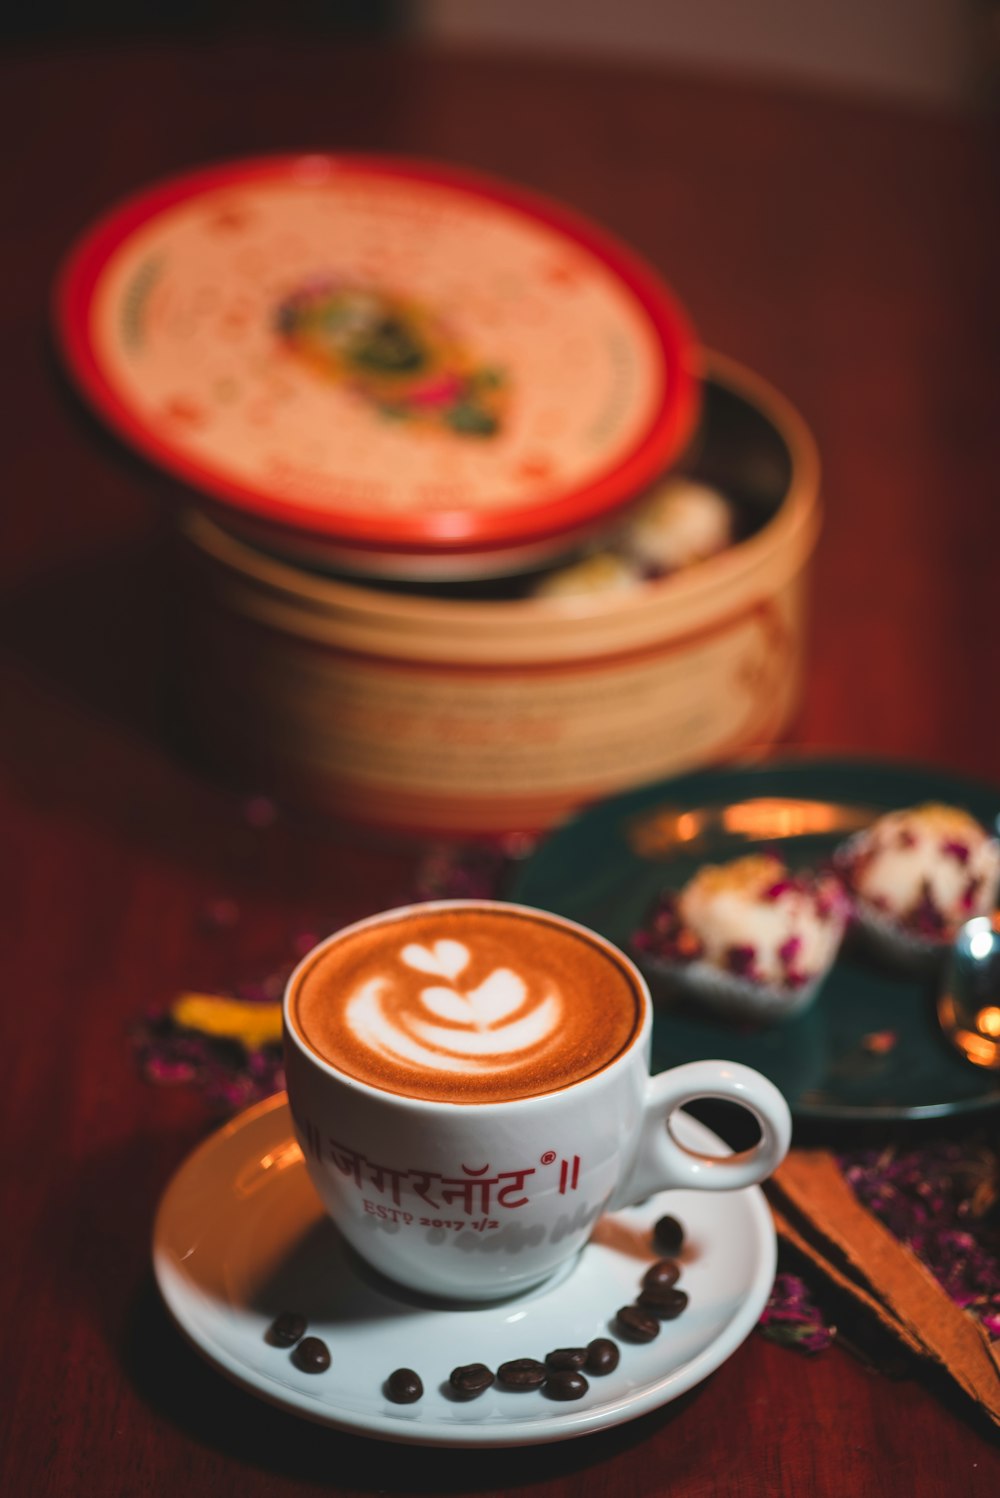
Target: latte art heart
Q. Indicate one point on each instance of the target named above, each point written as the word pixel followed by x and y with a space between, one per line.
pixel 446 959
pixel 485 1025
pixel 497 997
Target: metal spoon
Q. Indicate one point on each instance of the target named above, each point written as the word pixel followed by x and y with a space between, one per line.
pixel 969 1003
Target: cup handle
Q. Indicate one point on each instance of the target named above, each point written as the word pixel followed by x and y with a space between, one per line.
pixel 661 1163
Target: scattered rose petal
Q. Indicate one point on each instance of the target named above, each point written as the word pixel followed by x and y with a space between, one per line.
pixel 941 1200
pixel 740 960
pixel 793 1318
pixel 789 950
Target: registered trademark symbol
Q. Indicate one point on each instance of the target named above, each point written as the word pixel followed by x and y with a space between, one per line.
pixel 548 1157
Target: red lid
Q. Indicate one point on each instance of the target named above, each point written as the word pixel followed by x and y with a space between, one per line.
pixel 380 356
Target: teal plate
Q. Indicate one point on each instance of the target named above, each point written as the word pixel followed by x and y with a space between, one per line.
pixel 870 1047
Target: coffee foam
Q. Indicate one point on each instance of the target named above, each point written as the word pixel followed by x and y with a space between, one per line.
pixel 467 1004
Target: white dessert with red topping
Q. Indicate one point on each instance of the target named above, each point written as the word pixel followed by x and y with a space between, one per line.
pixel 922 872
pixel 750 935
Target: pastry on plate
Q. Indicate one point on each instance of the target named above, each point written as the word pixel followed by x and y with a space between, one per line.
pixel 916 875
pixel 751 937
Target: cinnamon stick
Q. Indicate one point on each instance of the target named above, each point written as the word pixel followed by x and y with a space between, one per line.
pixel 790 1234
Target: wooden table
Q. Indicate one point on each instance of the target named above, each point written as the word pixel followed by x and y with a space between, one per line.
pixel 849 253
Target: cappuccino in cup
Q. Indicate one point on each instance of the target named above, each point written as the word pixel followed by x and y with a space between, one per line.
pixel 469 1004
pixel 469 1083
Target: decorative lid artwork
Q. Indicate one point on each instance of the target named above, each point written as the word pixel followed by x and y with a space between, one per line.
pixel 387 364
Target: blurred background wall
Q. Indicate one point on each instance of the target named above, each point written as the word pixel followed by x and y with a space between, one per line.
pixel 938 52
pixel 931 50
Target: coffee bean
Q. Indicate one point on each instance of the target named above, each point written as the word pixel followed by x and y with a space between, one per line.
pixel 286 1329
pixel 404 1386
pixel 663 1302
pixel 668 1236
pixel 637 1325
pixel 521 1373
pixel 662 1274
pixel 602 1356
pixel 567 1357
pixel 565 1383
pixel 312 1355
pixel 471 1380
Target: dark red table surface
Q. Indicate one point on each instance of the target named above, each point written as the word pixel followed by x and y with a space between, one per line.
pixel 846 250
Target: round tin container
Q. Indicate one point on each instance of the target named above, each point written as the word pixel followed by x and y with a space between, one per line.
pixel 392 367
pixel 480 716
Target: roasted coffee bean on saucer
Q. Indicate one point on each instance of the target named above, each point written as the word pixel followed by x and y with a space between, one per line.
pixel 522 1373
pixel 566 1357
pixel 565 1383
pixel 668 1236
pixel 286 1329
pixel 471 1379
pixel 663 1274
pixel 603 1356
pixel 403 1386
pixel 312 1355
pixel 636 1324
pixel 663 1301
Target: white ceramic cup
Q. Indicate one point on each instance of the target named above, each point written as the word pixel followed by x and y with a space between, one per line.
pixel 477 1201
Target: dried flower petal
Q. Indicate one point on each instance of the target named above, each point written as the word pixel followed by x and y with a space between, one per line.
pixel 741 960
pixel 940 1201
pixel 792 1317
pixel 789 950
pixel 451 872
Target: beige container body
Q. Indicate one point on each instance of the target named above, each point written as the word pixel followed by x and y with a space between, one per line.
pixel 482 718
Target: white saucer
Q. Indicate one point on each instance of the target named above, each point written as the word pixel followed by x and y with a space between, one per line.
pixel 240 1236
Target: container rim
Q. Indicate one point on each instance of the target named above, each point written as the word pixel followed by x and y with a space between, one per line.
pixel 793 526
